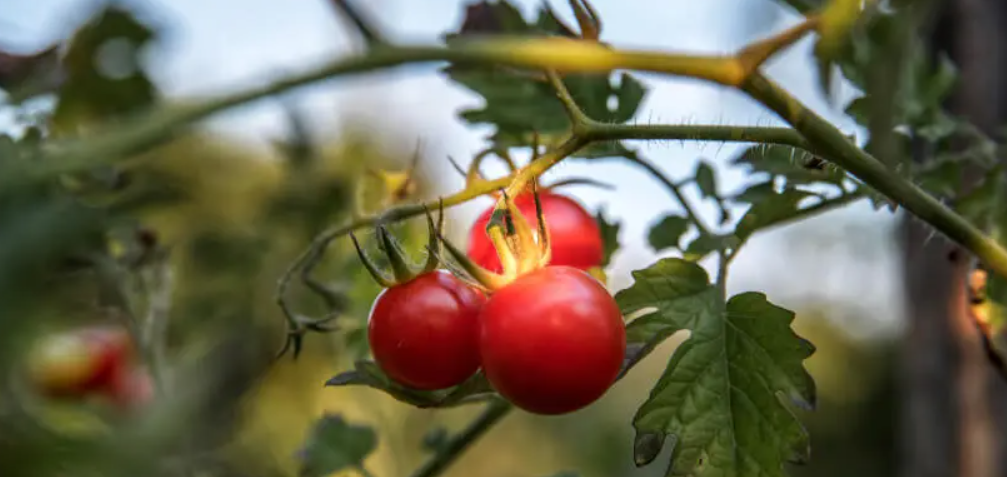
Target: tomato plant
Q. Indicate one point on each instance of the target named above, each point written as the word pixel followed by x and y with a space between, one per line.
pixel 513 320
pixel 574 235
pixel 552 341
pixel 423 332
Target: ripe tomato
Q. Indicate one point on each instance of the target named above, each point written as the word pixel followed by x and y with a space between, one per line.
pixel 132 388
pixel 552 341
pixel 79 362
pixel 424 332
pixel 575 238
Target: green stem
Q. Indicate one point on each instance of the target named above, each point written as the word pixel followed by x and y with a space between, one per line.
pixel 675 191
pixel 831 144
pixel 766 135
pixel 461 442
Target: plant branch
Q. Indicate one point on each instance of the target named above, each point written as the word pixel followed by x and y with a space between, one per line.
pixel 766 135
pixel 830 143
pixel 675 191
pixel 454 448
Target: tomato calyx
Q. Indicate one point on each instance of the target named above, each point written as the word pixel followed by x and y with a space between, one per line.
pixel 520 248
pixel 401 270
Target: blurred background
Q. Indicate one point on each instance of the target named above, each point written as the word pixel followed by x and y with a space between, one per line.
pixel 234 208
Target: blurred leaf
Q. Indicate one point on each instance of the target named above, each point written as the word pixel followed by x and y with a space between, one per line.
pixel 789 163
pixel 609 236
pixel 706 179
pixel 768 211
pixel 521 103
pixel 367 373
pixel 701 246
pixel 756 192
pixel 104 75
pixel 982 202
pixel 25 76
pixel 435 439
pixel 335 445
pixel 941 178
pixel 835 21
pixel 667 233
pixel 720 396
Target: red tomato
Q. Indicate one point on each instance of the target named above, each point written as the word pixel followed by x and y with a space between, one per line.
pixel 552 341
pixel 424 333
pixel 575 238
pixel 131 389
pixel 79 362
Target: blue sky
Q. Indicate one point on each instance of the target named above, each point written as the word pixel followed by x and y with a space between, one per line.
pixel 216 45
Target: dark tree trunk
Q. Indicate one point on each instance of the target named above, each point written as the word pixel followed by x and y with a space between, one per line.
pixel 955 405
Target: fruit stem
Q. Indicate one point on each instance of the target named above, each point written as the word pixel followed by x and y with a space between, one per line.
pixel 396 257
pixel 369 265
pixel 457 446
pixel 433 245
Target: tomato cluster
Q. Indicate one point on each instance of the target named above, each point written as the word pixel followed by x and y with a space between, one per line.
pixel 551 340
pixel 87 362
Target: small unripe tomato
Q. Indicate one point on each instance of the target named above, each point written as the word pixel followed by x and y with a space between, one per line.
pixel 424 332
pixel 574 236
pixel 79 362
pixel 552 341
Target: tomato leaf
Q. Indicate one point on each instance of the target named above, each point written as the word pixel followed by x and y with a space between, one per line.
pixel 668 232
pixel 768 211
pixel 335 445
pixel 706 179
pixel 721 397
pixel 367 373
pixel 609 236
pixel 789 163
pixel 701 246
pixel 104 75
pixel 521 104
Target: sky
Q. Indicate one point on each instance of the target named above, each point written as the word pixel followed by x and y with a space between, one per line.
pixel 215 46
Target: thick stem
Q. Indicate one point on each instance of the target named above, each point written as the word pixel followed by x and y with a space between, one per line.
pixel 834 146
pixel 459 443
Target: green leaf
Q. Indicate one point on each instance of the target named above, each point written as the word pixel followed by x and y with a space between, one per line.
pixel 789 163
pixel 609 236
pixel 706 179
pixel 702 246
pixel 668 232
pixel 104 77
pixel 367 373
pixel 722 397
pixel 521 103
pixel 756 192
pixel 769 211
pixel 335 445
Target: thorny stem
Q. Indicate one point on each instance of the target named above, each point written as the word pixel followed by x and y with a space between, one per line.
pixel 454 448
pixel 830 143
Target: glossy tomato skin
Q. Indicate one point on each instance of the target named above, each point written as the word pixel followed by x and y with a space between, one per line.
pixel 552 341
pixel 424 333
pixel 575 238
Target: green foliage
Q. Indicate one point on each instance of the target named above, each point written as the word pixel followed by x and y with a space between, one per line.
pixel 335 445
pixel 104 76
pixel 367 373
pixel 609 235
pixel 719 397
pixel 522 104
pixel 668 232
